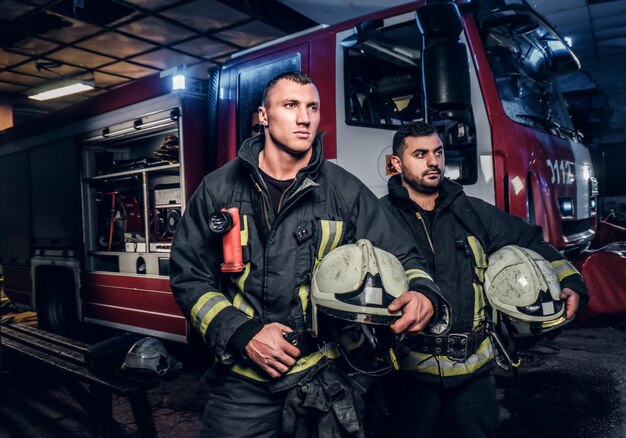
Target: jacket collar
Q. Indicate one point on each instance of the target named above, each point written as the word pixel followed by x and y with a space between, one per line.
pixel 400 195
pixel 251 147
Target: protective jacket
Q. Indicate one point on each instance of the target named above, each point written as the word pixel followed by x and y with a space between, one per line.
pixel 455 242
pixel 324 207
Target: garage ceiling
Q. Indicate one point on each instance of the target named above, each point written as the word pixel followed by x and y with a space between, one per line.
pixel 597 27
pixel 116 41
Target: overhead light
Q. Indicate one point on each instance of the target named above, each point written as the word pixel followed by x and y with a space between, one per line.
pixel 178 74
pixel 178 82
pixel 60 89
pixel 568 40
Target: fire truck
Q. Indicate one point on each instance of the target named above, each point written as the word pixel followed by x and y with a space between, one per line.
pixel 91 196
pixel 92 200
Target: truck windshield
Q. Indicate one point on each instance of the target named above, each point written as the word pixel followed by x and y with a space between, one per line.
pixel 523 61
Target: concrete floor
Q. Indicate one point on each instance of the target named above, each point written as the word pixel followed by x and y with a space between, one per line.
pixel 572 387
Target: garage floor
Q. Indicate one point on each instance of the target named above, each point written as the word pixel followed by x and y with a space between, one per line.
pixel 572 387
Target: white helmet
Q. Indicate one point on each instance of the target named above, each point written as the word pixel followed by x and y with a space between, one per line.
pixel 356 282
pixel 524 292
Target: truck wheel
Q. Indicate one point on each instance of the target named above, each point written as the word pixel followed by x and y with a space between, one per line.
pixel 56 312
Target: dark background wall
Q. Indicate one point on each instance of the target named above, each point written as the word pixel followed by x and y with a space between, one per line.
pixel 597 101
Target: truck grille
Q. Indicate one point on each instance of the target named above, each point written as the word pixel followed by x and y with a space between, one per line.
pixel 576 227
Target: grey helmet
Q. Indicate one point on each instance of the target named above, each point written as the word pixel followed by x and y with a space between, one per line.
pixel 356 282
pixel 148 354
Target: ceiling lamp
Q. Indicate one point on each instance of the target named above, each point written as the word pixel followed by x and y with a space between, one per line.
pixel 60 89
pixel 178 74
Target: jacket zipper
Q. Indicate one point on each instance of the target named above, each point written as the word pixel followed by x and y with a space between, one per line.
pixel 263 201
pixel 282 197
pixel 271 228
pixel 430 242
pixel 267 224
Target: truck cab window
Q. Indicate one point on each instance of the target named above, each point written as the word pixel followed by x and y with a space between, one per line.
pixel 383 78
pixel 523 68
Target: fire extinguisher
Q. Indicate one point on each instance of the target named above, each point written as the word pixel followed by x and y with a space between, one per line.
pixel 226 222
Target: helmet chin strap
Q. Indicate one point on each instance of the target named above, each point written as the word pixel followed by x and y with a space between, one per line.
pixel 387 354
pixel 503 358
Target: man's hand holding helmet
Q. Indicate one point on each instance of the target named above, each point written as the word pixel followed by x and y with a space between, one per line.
pixel 416 310
pixel 572 301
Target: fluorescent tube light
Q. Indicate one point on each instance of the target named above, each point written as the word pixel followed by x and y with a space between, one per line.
pixel 63 89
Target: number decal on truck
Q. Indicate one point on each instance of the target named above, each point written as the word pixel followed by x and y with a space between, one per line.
pixel 561 171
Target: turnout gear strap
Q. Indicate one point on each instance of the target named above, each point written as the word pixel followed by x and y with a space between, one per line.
pixel 303 293
pixel 244 230
pixel 331 236
pixel 563 269
pixel 479 306
pixel 480 257
pixel 206 309
pixel 480 265
pixel 441 365
pixel 240 280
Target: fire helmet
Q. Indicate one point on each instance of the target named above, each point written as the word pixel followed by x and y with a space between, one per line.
pixel 148 354
pixel 356 282
pixel 524 292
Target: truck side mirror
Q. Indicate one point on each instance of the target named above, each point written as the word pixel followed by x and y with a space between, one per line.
pixel 445 65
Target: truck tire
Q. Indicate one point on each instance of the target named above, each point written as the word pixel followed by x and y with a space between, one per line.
pixel 56 306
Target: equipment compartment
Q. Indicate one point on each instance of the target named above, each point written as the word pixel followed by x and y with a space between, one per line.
pixel 132 199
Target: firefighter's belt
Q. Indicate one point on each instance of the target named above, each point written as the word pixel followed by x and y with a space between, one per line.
pixel 457 346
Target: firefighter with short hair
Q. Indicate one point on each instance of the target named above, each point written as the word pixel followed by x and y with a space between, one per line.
pixel 294 207
pixel 447 387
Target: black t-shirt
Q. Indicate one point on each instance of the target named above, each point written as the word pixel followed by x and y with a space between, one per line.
pixel 275 188
pixel 430 215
